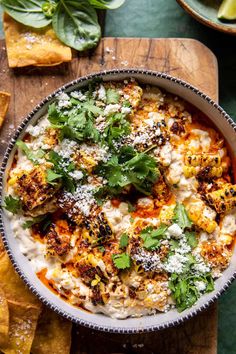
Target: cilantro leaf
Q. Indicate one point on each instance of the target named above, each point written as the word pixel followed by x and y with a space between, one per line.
pixel 113 96
pixel 152 237
pixel 185 291
pixel 62 167
pixel 12 204
pixel 124 240
pixel 116 127
pixel 191 238
pixel 77 123
pixel 129 167
pixel 38 219
pixel 181 217
pixel 33 157
pixel 55 116
pixel 52 176
pixel 121 260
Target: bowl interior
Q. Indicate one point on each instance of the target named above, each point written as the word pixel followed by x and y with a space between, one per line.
pixel 99 321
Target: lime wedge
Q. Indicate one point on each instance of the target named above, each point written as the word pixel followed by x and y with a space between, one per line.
pixel 227 10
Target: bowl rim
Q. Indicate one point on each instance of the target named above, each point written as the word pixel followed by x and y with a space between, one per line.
pixel 216 26
pixel 28 282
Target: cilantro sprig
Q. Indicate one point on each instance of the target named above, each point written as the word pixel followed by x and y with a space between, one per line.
pixel 185 291
pixel 32 156
pixel 12 204
pixel 44 219
pixel 128 167
pixel 117 126
pixel 124 240
pixel 181 217
pixel 121 260
pixel 77 122
pixel 61 169
pixel 151 237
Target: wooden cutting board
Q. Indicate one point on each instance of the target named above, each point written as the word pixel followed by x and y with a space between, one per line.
pixel 184 58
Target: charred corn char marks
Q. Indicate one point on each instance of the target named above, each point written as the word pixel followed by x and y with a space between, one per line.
pixel 203 166
pixel 224 199
pixel 97 229
pixel 33 188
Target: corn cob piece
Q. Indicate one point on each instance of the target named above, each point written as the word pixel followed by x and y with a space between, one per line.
pixel 223 199
pixel 191 171
pixel 196 215
pixel 203 160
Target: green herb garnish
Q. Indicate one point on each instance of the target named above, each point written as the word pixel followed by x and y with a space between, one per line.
pixel 13 205
pixel 184 290
pixel 38 219
pixel 129 167
pixel 152 237
pixel 62 168
pixel 113 96
pixel 52 176
pixel 117 126
pixel 181 217
pixel 191 238
pixel 121 260
pixel 33 157
pixel 124 240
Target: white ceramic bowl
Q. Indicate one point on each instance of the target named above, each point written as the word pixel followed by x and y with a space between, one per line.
pixel 98 321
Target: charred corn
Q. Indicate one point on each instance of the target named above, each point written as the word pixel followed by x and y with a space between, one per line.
pixel 209 172
pixel 196 215
pixel 33 189
pixel 202 160
pixel 223 199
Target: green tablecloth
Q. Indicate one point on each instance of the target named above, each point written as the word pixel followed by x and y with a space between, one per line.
pixel 164 18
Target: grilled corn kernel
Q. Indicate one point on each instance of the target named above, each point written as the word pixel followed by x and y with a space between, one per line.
pixel 202 160
pixel 12 181
pixel 209 172
pixel 92 260
pixel 196 215
pixel 95 281
pixel 223 199
pixel 166 214
pixel 190 171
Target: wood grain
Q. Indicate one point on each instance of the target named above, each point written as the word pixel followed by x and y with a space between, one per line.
pixel 184 58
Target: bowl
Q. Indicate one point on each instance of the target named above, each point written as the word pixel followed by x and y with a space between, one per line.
pixel 206 11
pixel 98 321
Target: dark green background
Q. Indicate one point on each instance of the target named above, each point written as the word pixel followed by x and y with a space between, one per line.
pixel 164 18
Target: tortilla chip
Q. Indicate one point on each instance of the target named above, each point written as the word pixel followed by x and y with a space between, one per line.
pixel 23 321
pixel 13 287
pixel 4 319
pixel 28 46
pixel 4 104
pixel 53 334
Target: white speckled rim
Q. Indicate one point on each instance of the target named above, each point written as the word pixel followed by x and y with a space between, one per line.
pixel 98 321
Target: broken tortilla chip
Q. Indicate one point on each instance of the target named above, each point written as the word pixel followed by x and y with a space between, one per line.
pixel 28 46
pixel 23 322
pixel 53 334
pixel 4 104
pixel 4 319
pixel 13 287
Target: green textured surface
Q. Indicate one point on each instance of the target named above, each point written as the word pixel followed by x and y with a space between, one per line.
pixel 165 18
